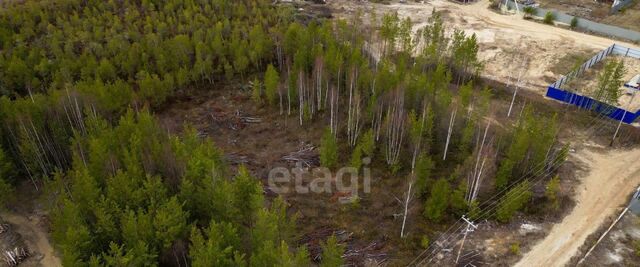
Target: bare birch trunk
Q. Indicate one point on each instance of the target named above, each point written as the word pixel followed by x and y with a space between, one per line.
pixel 446 146
pixel 406 207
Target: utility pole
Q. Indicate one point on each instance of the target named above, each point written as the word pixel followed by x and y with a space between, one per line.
pixel 635 196
pixel 470 228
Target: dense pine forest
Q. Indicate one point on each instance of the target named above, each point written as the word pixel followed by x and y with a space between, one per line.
pixel 80 82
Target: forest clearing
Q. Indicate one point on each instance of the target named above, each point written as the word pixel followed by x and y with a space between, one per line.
pixel 220 133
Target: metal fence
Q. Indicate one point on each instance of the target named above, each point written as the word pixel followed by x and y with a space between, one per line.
pixel 592 61
pixel 588 103
pixel 556 92
pixel 626 51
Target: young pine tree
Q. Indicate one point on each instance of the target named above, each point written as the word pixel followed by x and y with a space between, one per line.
pixel 247 193
pixel 437 203
pixel 7 173
pixel 356 157
pixel 458 202
pixel 609 82
pixel 256 91
pixel 328 150
pixel 6 193
pixel 513 201
pixel 367 143
pixel 424 167
pixel 271 82
pixel 552 192
pixel 215 246
pixel 332 253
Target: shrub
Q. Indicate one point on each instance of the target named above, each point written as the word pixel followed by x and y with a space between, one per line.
pixel 332 253
pixel 513 201
pixel 549 18
pixel 437 203
pixel 494 4
pixel 515 248
pixel 529 11
pixel 552 191
pixel 424 242
pixel 574 23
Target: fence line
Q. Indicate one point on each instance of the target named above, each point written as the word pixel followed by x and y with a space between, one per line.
pixel 588 64
pixel 556 92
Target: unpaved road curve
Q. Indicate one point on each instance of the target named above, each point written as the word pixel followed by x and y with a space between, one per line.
pixel 614 175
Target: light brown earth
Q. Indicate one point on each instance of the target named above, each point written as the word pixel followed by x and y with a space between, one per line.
pixel 613 176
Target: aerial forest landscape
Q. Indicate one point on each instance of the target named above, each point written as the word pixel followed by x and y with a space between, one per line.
pixel 318 133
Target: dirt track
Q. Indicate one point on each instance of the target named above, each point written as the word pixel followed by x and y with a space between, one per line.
pixel 612 178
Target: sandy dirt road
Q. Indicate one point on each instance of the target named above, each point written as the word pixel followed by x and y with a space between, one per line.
pixel 612 178
pixel 35 237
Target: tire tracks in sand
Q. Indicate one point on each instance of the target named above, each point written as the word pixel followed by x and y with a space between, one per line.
pixel 612 177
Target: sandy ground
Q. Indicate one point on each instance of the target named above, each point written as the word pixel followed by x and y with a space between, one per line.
pixel 35 237
pixel 627 100
pixel 505 40
pixel 612 178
